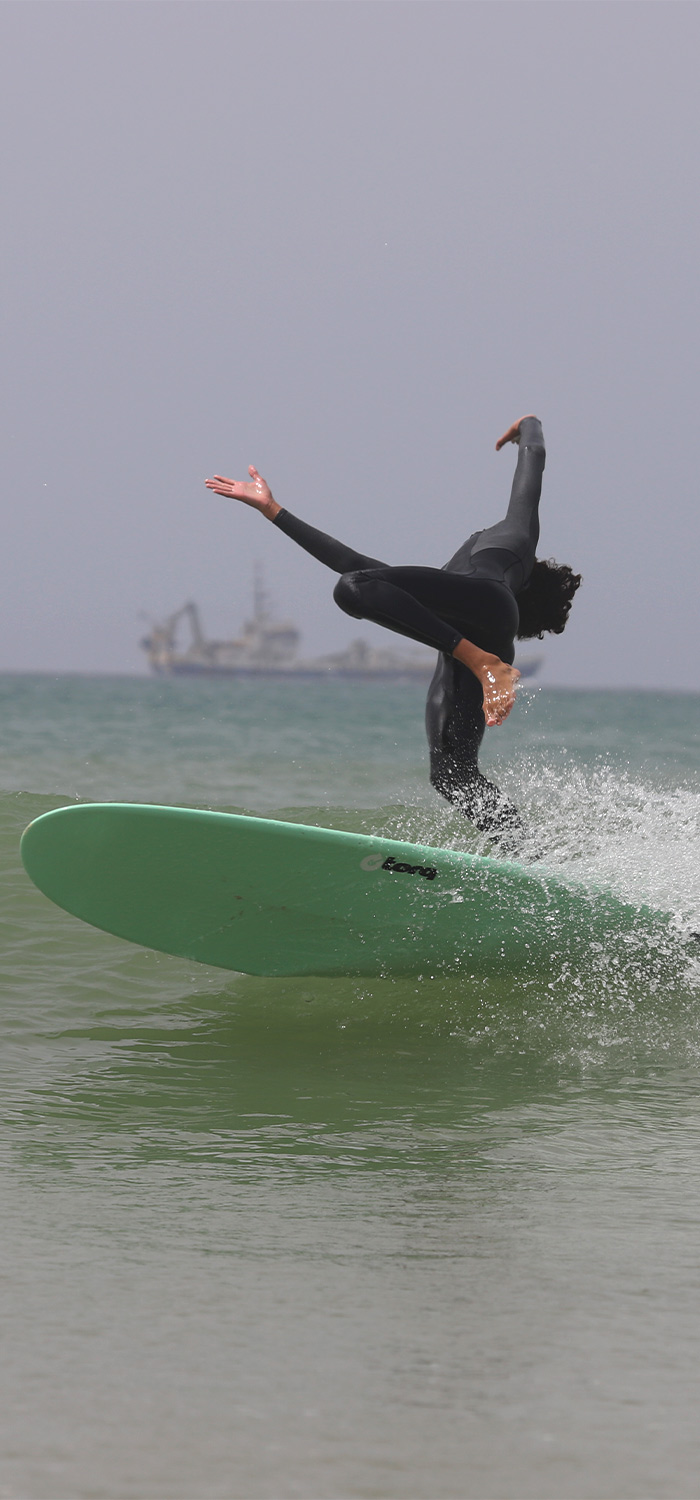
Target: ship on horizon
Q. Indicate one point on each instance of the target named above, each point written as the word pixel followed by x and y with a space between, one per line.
pixel 268 647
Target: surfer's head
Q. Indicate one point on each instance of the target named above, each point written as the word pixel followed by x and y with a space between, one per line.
pixel 544 605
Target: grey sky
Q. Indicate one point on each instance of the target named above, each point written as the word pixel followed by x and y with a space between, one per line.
pixel 348 242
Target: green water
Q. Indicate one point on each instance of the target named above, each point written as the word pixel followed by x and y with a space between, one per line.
pixel 331 1238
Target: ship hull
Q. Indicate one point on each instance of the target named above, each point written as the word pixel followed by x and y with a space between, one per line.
pixel 315 674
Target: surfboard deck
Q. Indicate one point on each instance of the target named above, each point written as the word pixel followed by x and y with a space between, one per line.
pixel 272 898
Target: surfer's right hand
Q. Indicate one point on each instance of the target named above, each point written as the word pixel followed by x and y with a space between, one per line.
pixel 257 492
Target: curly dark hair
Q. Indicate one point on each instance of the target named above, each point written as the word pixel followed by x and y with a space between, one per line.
pixel 545 603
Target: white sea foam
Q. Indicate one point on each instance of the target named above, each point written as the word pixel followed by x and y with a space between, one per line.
pixel 602 826
pixel 597 826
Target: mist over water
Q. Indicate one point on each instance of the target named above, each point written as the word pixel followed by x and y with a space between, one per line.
pixel 423 1236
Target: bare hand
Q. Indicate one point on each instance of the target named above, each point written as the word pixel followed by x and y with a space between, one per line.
pixel 257 492
pixel 513 433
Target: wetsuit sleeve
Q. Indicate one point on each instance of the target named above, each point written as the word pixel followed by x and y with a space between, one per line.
pixel 518 533
pixel 333 554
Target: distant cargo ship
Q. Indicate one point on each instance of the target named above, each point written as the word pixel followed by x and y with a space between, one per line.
pixel 270 648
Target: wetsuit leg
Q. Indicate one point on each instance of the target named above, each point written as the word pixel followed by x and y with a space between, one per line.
pixel 436 608
pixel 455 726
pixel 406 600
pixel 456 776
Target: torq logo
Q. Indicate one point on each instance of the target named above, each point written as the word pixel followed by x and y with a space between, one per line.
pixel 375 862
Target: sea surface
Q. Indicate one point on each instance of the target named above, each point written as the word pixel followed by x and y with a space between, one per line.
pixel 332 1238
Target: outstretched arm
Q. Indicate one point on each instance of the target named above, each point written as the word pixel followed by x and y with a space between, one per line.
pixel 333 554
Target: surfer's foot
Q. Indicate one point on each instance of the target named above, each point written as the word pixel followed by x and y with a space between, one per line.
pixel 497 680
pixel 255 492
pixel 498 683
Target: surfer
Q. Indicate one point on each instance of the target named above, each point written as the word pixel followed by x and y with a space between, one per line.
pixel 471 611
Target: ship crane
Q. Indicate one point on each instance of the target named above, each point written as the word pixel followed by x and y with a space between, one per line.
pixel 161 643
pixel 192 613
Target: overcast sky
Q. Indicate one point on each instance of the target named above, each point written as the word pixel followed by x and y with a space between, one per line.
pixel 348 242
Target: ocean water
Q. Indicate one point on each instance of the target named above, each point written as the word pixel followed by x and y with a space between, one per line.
pixel 326 1238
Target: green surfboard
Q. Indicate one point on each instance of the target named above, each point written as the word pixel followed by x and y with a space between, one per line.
pixel 267 897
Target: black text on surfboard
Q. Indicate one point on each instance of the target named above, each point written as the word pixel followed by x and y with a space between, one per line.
pixel 397 867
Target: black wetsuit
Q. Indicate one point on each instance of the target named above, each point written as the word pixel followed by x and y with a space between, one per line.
pixel 472 597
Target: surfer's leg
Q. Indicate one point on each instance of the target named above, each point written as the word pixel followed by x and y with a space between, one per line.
pixel 455 729
pixel 325 548
pixel 438 609
pixel 460 782
pixel 421 603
